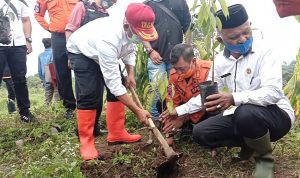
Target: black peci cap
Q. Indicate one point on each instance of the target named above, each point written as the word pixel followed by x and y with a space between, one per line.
pixel 237 16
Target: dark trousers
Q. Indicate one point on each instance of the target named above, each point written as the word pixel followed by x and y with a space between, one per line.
pixel 249 121
pixel 63 73
pixel 10 88
pixel 89 83
pixel 16 59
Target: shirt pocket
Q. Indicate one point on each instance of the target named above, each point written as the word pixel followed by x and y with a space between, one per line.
pixel 227 79
pixel 254 83
pixel 52 5
pixel 71 4
pixel 72 1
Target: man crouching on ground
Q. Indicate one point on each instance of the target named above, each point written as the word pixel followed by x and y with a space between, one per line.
pixel 252 74
pixel 186 75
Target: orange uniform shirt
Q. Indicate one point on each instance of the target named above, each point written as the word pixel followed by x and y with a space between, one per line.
pixel 59 12
pixel 184 91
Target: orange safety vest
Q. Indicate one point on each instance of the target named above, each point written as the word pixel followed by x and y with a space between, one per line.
pixel 59 12
pixel 184 91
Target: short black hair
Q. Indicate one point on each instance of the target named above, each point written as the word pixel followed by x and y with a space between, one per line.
pixel 46 42
pixel 182 50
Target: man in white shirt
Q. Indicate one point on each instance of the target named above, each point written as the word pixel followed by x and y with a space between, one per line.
pixel 101 43
pixel 15 52
pixel 256 111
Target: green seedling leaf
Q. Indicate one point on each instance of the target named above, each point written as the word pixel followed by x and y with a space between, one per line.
pixel 170 105
pixel 219 23
pixel 224 7
pixel 195 6
pixel 216 44
pixel 297 18
pixel 146 92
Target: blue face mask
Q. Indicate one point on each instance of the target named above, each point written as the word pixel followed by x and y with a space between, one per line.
pixel 240 48
pixel 106 4
pixel 135 39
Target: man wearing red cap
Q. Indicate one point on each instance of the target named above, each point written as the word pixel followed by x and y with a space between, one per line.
pixel 84 12
pixel 92 46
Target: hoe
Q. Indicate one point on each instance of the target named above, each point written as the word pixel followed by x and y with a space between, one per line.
pixel 165 169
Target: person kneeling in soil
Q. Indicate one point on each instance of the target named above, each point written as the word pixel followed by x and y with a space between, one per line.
pixel 255 110
pixel 94 50
pixel 187 73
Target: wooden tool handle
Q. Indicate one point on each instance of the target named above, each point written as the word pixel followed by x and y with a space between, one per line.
pixel 136 98
pixel 167 149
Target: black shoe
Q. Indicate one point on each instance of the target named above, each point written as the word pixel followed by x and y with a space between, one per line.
pixel 98 131
pixel 27 118
pixel 11 106
pixel 69 114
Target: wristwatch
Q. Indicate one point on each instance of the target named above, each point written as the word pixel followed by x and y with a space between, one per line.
pixel 29 39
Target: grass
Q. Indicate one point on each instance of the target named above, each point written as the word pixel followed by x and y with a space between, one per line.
pixel 42 153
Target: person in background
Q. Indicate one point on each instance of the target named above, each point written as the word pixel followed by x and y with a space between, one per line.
pixel 287 7
pixel 15 53
pixel 44 62
pixel 11 96
pixel 59 12
pixel 84 12
pixel 172 20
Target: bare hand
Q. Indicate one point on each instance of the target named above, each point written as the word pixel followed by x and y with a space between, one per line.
pixel 143 116
pixel 173 124
pixel 130 81
pixel 166 115
pixel 220 102
pixel 155 57
pixel 29 48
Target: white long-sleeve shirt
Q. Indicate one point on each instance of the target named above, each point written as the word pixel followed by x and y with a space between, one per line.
pixel 255 79
pixel 16 25
pixel 105 41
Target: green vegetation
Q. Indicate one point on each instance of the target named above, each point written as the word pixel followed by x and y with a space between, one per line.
pixel 287 71
pixel 292 87
pixel 35 150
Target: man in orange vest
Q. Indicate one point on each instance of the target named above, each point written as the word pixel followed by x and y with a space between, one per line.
pixel 59 12
pixel 185 77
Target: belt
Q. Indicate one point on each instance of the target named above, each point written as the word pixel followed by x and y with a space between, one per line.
pixel 58 33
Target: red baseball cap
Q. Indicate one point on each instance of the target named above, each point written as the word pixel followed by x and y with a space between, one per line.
pixel 141 19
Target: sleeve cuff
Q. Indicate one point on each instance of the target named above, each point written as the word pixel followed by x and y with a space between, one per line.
pixel 182 110
pixel 239 98
pixel 119 92
pixel 70 27
pixel 130 60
